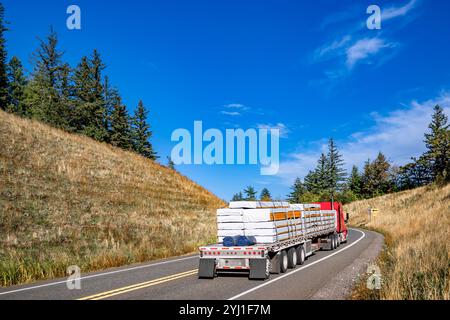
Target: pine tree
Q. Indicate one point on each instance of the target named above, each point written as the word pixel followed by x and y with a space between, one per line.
pixel 89 92
pixel 4 101
pixel 250 193
pixel 170 163
pixel 17 83
pixel 238 197
pixel 354 181
pixel 335 168
pixel 265 195
pixel 44 94
pixel 438 145
pixel 142 134
pixel 311 182
pixel 375 180
pixel 111 96
pixel 322 175
pixel 368 185
pixel 298 190
pixel 120 127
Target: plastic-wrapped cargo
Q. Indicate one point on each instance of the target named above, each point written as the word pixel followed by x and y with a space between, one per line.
pixel 258 204
pixel 271 221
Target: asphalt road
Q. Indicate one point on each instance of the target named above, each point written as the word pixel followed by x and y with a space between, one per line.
pixel 176 278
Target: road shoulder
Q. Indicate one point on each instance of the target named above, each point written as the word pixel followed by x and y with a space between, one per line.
pixel 340 286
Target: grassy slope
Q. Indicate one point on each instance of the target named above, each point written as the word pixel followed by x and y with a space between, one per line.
pixel 416 263
pixel 68 200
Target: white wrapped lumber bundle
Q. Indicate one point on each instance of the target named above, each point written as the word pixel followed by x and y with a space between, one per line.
pixel 258 204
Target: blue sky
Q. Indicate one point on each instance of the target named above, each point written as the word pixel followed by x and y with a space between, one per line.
pixel 310 68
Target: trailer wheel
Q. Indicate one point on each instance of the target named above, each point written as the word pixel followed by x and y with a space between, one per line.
pixel 292 258
pixel 338 238
pixel 333 243
pixel 283 261
pixel 301 256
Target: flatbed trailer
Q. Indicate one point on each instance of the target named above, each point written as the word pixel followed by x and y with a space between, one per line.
pixel 260 260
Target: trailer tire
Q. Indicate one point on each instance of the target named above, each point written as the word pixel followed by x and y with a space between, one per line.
pixel 338 237
pixel 301 256
pixel 283 261
pixel 333 243
pixel 292 258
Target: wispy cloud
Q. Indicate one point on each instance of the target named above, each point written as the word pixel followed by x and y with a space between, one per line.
pixel 234 109
pixel 364 49
pixel 235 106
pixel 398 134
pixel 283 129
pixel 355 44
pixel 329 49
pixel 230 113
pixel 394 12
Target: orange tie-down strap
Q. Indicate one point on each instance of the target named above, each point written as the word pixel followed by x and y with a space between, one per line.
pixel 283 215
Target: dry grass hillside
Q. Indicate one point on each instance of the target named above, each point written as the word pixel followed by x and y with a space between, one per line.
pixel 416 262
pixel 68 200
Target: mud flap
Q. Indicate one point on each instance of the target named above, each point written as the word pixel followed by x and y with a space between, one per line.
pixel 257 269
pixel 207 268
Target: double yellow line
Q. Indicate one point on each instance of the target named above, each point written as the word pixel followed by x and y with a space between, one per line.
pixel 115 292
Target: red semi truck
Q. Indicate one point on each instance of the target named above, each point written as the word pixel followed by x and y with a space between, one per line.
pixel 260 260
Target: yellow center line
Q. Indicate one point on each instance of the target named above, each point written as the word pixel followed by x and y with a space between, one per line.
pixel 111 293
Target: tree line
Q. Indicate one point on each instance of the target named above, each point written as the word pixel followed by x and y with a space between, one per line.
pixel 78 100
pixel 329 179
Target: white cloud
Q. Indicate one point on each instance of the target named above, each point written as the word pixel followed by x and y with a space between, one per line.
pixel 398 134
pixel 394 12
pixel 283 129
pixel 230 113
pixel 236 106
pixel 234 109
pixel 364 49
pixel 329 49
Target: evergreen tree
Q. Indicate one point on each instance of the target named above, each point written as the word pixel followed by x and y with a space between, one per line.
pixel 170 163
pixel 415 174
pixel 335 168
pixel 111 96
pixel 120 127
pixel 90 113
pixel 17 83
pixel 375 180
pixel 298 190
pixel 238 197
pixel 438 144
pixel 322 175
pixel 265 195
pixel 44 94
pixel 250 194
pixel 368 185
pixel 4 101
pixel 381 173
pixel 311 182
pixel 354 181
pixel 142 134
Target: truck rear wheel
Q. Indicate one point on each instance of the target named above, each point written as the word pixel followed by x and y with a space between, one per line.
pixel 283 261
pixel 292 258
pixel 301 256
pixel 338 240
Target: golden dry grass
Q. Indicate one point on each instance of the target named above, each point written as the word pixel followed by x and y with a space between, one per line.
pixel 416 262
pixel 68 200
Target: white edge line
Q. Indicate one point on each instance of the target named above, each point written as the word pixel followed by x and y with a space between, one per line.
pixel 299 269
pixel 97 275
